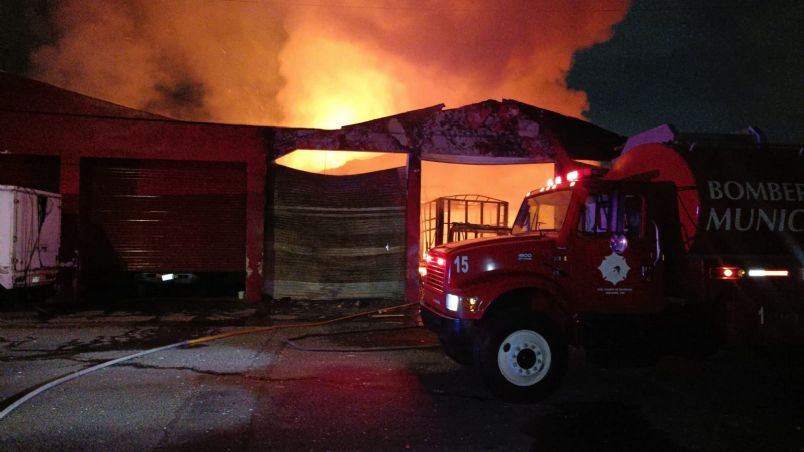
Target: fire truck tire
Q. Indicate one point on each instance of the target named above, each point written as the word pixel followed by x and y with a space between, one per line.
pixel 521 359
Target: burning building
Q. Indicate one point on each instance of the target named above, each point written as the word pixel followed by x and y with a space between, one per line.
pixel 143 193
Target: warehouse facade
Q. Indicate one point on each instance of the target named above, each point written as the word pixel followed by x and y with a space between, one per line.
pixel 140 192
pixel 145 193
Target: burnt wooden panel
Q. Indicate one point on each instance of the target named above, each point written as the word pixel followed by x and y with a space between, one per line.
pixel 336 237
pixel 150 215
pixel 30 171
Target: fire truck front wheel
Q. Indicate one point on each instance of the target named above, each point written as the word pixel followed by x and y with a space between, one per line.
pixel 521 359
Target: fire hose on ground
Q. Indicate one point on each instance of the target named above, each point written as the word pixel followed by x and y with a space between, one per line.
pixel 192 342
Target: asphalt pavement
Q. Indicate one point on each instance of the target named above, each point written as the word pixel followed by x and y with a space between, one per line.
pixel 374 383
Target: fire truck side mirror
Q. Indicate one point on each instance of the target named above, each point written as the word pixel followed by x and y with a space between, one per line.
pixel 658 244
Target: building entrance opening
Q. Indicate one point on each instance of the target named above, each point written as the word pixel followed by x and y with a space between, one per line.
pixel 462 202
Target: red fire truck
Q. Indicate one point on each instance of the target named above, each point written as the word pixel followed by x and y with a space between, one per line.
pixel 686 242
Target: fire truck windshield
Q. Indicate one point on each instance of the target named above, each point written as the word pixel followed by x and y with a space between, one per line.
pixel 543 212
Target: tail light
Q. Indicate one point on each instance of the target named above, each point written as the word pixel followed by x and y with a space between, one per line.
pixel 726 273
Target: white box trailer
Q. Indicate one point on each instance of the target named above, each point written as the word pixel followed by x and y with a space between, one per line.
pixel 30 235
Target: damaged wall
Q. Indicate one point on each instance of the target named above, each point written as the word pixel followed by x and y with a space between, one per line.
pixel 335 237
pixel 489 132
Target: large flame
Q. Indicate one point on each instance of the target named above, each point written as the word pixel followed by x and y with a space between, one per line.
pixel 341 163
pixel 331 82
pixel 321 64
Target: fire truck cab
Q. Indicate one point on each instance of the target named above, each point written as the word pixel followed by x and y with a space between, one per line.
pixel 654 256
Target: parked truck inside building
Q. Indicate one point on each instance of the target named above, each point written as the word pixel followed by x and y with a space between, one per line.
pixel 686 242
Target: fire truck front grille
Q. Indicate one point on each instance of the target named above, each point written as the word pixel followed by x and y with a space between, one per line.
pixel 435 278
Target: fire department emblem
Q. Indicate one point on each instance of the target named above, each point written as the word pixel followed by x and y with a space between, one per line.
pixel 614 268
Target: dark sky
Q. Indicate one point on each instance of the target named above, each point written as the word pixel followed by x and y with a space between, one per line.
pixel 709 66
pixel 23 27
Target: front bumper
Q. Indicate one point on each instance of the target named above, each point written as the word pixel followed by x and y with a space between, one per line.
pixel 459 332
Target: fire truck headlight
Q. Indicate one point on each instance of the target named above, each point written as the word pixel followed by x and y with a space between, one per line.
pixel 467 304
pixel 453 301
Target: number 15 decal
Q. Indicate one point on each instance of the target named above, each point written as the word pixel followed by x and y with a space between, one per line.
pixel 462 264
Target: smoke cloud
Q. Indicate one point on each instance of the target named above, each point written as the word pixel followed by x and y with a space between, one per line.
pixel 320 63
pixel 189 59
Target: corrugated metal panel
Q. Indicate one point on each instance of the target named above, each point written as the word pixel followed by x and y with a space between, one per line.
pixel 30 171
pixel 146 215
pixel 337 237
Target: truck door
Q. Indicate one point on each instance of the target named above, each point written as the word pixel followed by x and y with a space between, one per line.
pixel 613 255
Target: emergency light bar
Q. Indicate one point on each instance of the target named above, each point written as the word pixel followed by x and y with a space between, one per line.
pixel 571 177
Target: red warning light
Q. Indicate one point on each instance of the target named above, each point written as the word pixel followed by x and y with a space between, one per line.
pixel 726 273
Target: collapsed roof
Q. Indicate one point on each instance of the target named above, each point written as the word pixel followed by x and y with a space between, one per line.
pixel 488 132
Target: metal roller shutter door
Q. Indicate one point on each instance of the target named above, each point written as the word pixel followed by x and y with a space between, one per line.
pixel 157 216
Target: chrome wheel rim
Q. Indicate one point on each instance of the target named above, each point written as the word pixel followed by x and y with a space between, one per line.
pixel 524 357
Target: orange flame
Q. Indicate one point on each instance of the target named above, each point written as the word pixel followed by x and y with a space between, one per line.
pixel 331 83
pixel 341 163
pixel 321 64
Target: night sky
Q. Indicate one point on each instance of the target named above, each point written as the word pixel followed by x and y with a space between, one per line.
pixel 22 29
pixel 712 68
